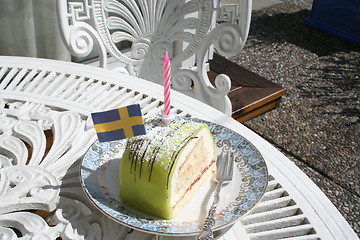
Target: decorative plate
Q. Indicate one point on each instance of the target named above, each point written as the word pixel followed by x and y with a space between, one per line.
pixel 100 180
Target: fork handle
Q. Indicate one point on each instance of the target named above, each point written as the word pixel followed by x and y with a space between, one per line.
pixel 207 233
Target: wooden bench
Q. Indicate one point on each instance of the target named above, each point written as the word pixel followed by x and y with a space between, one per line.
pixel 250 94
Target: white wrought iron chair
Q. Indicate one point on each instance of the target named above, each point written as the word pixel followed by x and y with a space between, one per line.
pixel 137 34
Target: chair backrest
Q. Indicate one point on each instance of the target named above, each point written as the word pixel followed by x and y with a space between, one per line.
pixel 137 33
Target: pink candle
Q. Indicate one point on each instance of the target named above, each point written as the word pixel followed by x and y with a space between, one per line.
pixel 167 84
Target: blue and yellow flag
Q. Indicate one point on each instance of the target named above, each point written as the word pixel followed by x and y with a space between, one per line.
pixel 119 123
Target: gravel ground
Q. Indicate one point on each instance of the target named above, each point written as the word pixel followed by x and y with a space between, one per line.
pixel 317 124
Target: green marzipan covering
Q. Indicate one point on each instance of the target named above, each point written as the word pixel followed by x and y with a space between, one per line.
pixel 147 166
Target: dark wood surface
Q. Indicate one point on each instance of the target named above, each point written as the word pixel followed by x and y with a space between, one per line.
pixel 250 94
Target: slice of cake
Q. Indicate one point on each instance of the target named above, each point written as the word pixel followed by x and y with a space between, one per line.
pixel 161 170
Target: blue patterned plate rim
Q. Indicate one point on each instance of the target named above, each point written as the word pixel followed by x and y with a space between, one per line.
pixel 99 179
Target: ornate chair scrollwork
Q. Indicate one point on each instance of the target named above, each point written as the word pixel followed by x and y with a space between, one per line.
pixel 137 34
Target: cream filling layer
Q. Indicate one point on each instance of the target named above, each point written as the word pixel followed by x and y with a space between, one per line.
pixel 197 157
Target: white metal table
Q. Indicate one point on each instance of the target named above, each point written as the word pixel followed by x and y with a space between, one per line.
pixel 45 99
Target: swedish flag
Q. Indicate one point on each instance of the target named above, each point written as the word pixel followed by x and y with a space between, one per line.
pixel 119 123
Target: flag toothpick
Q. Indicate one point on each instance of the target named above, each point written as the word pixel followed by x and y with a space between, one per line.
pixel 117 124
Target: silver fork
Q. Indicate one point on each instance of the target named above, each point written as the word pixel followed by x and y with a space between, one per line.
pixel 224 174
